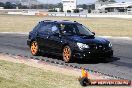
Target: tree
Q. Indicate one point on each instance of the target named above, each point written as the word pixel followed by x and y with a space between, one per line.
pixel 8 5
pixel 76 11
pixel 20 6
pixel 112 1
pixel 84 6
pixel 2 4
pixel 40 6
pixel 103 0
pixel 60 5
pixel 91 7
pixel 89 10
pixel 107 0
pixel 68 11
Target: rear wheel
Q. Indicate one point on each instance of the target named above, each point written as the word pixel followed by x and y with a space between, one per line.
pixel 67 54
pixel 34 48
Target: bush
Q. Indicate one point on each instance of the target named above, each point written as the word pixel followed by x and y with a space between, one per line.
pixel 76 11
pixel 61 10
pixel 89 11
pixel 68 11
pixel 52 10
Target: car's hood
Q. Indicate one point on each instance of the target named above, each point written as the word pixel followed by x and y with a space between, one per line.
pixel 89 40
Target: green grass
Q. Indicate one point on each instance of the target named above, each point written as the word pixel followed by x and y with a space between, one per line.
pixel 16 75
pixel 102 26
pixel 13 75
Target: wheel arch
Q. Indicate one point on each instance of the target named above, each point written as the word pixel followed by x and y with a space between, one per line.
pixel 32 41
pixel 66 44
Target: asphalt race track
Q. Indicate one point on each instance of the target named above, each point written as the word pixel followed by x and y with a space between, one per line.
pixel 120 65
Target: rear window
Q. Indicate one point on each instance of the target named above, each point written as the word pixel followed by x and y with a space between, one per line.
pixel 48 28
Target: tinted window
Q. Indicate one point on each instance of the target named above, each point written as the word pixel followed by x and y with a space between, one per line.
pixel 48 28
pixel 55 29
pixel 83 30
pixel 45 28
pixel 75 29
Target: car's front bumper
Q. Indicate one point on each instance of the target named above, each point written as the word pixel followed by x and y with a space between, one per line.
pixel 93 54
pixel 28 42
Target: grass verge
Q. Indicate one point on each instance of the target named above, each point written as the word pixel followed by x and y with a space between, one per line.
pixel 13 75
pixel 102 26
pixel 20 75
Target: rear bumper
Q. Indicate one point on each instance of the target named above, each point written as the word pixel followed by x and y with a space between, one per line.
pixel 94 54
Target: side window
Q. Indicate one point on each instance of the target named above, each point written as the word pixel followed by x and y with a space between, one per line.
pixel 46 28
pixel 55 29
pixel 68 28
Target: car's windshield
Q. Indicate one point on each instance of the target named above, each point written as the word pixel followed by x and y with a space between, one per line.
pixel 75 29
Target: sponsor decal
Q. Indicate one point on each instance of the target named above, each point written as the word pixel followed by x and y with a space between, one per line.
pixel 85 81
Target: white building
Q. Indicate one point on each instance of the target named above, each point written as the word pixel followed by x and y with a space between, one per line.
pixel 69 5
pixel 117 7
pixel 98 4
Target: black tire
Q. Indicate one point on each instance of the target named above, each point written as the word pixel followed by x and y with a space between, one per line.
pixel 84 81
pixel 67 54
pixel 34 47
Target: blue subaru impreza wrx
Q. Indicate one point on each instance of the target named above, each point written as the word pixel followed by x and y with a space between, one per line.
pixel 67 39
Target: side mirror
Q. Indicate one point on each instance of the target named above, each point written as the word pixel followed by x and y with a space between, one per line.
pixel 93 33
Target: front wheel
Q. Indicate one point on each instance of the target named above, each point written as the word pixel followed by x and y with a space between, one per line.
pixel 67 54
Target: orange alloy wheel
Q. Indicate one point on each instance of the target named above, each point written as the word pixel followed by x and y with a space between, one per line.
pixel 66 53
pixel 34 48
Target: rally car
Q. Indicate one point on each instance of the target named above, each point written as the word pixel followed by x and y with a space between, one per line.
pixel 68 39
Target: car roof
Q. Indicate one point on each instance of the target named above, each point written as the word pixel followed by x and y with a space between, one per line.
pixel 60 22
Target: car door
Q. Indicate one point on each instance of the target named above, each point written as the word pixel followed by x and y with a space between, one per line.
pixel 43 34
pixel 55 40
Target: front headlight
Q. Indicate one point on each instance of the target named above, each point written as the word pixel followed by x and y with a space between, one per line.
pixel 82 46
pixel 110 44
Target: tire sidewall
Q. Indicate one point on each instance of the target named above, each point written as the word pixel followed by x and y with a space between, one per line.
pixel 70 60
pixel 37 53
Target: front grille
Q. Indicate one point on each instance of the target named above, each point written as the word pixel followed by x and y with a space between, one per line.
pixel 99 47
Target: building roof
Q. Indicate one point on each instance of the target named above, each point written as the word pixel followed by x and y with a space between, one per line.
pixel 126 4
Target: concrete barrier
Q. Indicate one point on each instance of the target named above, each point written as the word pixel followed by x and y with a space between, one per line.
pixel 15 13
